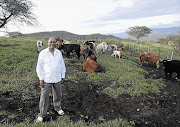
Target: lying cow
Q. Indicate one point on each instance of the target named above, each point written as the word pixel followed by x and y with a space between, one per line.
pixel 69 48
pixel 40 46
pixel 91 65
pixel 171 66
pixel 149 57
pixel 116 54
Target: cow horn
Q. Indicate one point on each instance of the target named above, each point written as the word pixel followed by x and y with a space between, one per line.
pixel 160 60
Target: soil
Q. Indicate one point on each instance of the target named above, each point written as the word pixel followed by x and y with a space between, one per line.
pixel 84 101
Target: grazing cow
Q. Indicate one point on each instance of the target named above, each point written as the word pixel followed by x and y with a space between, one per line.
pixel 69 48
pixel 101 47
pixel 91 45
pixel 121 49
pixel 92 66
pixel 112 47
pixel 117 54
pixel 86 51
pixel 149 57
pixel 40 46
pixel 171 66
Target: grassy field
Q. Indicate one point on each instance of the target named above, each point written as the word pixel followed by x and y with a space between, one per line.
pixel 18 58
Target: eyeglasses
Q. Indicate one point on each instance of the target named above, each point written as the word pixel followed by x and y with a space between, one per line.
pixel 52 42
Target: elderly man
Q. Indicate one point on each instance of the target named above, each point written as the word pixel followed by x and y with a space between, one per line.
pixel 50 70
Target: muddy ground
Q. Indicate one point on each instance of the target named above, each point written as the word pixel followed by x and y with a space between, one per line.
pixel 85 101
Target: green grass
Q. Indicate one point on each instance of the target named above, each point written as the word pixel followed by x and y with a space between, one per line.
pixel 66 122
pixel 122 77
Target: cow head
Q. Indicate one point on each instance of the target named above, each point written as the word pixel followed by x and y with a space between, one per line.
pixel 93 57
pixel 143 55
pixel 165 62
pixel 59 45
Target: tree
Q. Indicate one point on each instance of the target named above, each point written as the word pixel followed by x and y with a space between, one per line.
pixel 174 42
pixel 16 11
pixel 138 31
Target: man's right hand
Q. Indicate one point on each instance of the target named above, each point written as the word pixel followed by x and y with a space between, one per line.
pixel 42 83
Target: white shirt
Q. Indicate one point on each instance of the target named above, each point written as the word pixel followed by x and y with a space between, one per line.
pixel 50 68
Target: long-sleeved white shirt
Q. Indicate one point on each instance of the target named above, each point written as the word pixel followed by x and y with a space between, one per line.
pixel 50 68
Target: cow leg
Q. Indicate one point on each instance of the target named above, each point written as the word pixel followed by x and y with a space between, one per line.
pixel 178 76
pixel 165 74
pixel 157 64
pixel 170 76
pixel 84 56
pixel 68 54
pixel 78 54
pixel 142 61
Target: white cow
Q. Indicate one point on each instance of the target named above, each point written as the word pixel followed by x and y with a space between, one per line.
pixel 39 45
pixel 112 47
pixel 101 47
pixel 116 54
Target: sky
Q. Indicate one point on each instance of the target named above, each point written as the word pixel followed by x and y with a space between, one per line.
pixel 101 16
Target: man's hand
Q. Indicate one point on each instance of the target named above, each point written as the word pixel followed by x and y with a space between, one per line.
pixel 42 83
pixel 62 81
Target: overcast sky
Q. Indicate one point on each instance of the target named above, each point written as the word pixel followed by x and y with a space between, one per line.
pixel 102 16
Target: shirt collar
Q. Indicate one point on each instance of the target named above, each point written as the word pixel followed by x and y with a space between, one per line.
pixel 47 50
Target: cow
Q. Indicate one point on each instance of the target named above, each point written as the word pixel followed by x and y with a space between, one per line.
pixel 40 45
pixel 86 51
pixel 112 47
pixel 149 57
pixel 116 54
pixel 101 47
pixel 171 66
pixel 69 48
pixel 121 49
pixel 91 65
pixel 91 45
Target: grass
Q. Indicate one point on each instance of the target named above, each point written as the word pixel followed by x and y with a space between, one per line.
pixel 66 122
pixel 164 49
pixel 123 77
pixel 18 58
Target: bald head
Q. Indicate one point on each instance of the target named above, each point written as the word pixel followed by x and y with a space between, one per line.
pixel 52 43
pixel 52 40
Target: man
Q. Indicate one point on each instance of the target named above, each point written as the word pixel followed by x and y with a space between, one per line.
pixel 50 70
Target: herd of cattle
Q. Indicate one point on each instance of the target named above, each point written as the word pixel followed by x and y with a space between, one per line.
pixel 90 49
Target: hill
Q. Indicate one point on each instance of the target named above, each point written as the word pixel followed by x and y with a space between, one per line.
pixel 71 36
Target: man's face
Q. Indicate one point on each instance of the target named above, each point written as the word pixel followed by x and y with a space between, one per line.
pixel 51 43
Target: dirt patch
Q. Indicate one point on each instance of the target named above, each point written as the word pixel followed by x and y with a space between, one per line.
pixel 85 101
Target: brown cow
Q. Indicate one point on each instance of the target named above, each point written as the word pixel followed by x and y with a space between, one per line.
pixel 92 66
pixel 86 51
pixel 121 49
pixel 149 57
pixel 112 47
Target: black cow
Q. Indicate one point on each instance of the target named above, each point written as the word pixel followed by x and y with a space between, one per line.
pixel 171 66
pixel 68 48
